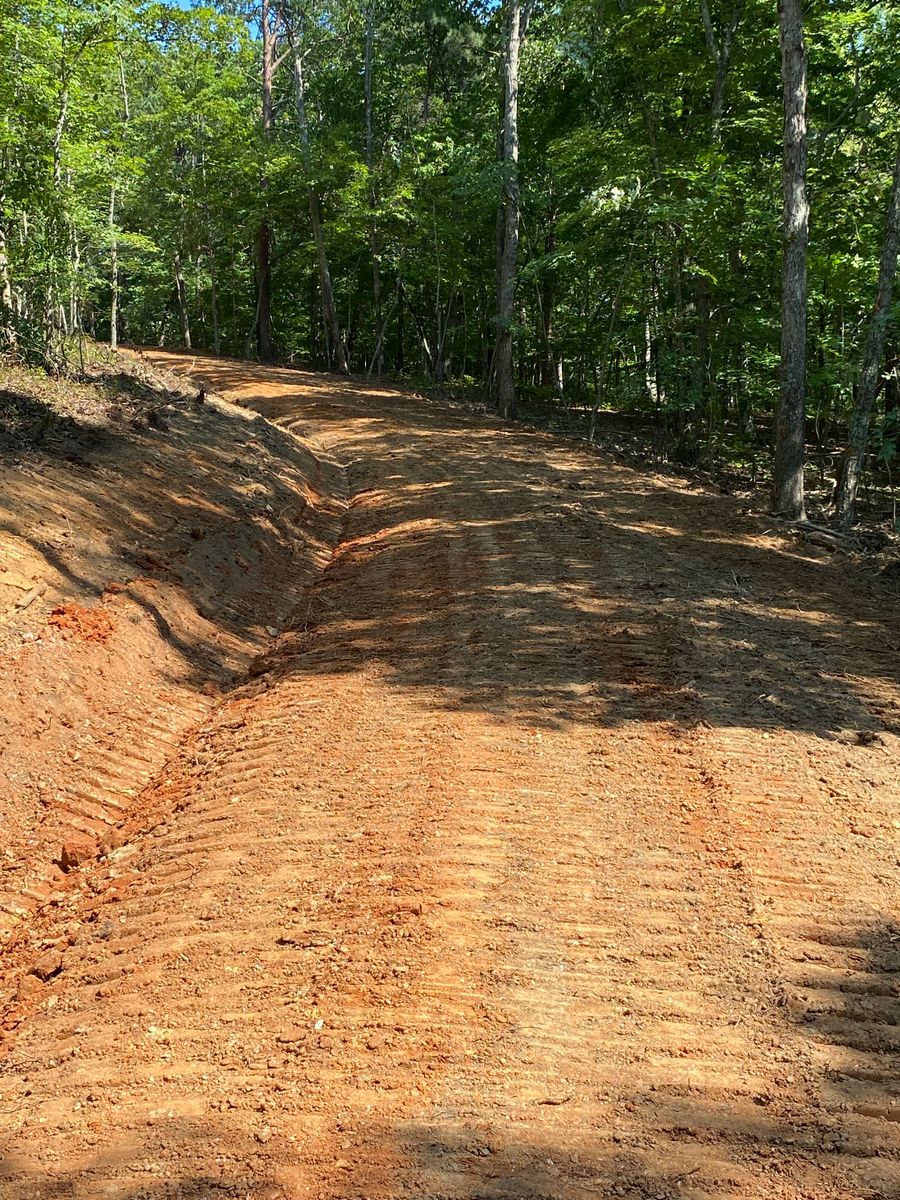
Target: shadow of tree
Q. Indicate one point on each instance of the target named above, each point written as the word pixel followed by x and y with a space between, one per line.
pixel 211 522
pixel 513 572
pixel 831 1135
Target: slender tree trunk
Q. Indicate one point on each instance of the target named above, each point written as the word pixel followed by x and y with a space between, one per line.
pixel 74 275
pixel 211 262
pixel 265 344
pixel 329 309
pixel 59 130
pixel 504 380
pixel 790 421
pixel 376 356
pixel 423 336
pixel 52 323
pixel 500 215
pixel 399 357
pixel 867 387
pixel 377 361
pixel 604 362
pixel 113 274
pixel 547 295
pixel 720 50
pixel 213 299
pixel 7 302
pixel 163 324
pixel 181 291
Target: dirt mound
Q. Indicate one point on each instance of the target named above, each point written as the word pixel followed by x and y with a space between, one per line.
pixel 150 545
pixel 85 624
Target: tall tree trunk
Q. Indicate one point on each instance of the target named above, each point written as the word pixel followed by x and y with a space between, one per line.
pixel 504 381
pixel 181 292
pixel 211 262
pixel 329 309
pixel 547 296
pixel 265 344
pixel 52 323
pixel 113 274
pixel 399 356
pixel 870 372
pixel 790 421
pixel 377 361
pixel 720 50
pixel 213 299
pixel 376 356
pixel 7 303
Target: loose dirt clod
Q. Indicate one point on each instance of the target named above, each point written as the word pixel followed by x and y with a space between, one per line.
pixel 84 624
pixel 76 852
pixel 47 965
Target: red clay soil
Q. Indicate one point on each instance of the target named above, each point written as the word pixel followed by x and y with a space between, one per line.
pixel 550 852
pixel 82 624
pixel 142 569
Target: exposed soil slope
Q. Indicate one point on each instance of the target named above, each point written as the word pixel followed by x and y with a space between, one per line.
pixel 147 544
pixel 552 853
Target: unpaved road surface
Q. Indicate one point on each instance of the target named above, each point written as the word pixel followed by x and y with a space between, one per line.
pixel 552 852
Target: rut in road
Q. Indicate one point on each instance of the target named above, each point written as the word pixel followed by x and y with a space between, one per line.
pixel 523 867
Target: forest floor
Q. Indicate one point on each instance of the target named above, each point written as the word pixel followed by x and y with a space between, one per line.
pixel 449 812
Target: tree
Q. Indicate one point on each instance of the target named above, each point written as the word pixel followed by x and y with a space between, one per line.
pixel 606 241
pixel 790 425
pixel 264 340
pixel 517 19
pixel 873 355
pixel 338 354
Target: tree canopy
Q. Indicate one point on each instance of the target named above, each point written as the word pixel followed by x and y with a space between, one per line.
pixel 329 182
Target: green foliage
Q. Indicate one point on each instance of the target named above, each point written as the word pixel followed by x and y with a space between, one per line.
pixel 649 225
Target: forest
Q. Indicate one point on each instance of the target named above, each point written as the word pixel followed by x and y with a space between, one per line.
pixel 685 210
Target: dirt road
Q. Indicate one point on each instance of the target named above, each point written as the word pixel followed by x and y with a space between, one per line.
pixel 552 853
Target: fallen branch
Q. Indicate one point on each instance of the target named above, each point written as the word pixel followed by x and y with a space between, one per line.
pixel 820 535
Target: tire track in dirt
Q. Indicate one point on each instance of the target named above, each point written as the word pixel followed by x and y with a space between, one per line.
pixel 824 879
pixel 465 896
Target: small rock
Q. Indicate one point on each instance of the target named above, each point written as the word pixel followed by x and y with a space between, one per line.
pixel 263 1135
pixel 28 987
pixel 261 665
pixel 272 631
pixel 47 965
pixel 290 1036
pixel 76 852
pixel 113 840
